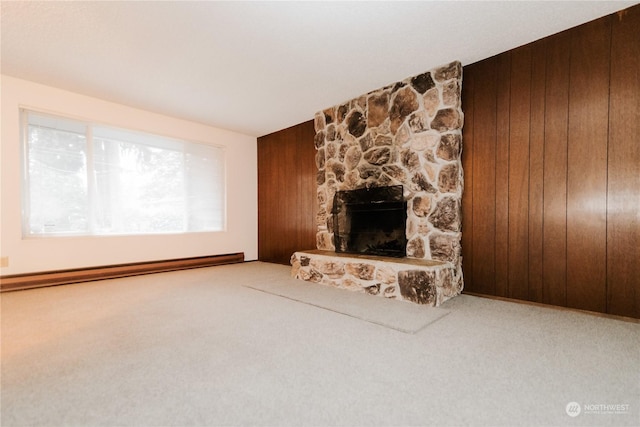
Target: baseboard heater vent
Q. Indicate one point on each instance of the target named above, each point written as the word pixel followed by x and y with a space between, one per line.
pixel 62 277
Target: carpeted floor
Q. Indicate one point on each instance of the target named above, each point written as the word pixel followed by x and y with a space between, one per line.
pixel 398 315
pixel 206 347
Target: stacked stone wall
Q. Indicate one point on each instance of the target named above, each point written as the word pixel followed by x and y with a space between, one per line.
pixel 407 133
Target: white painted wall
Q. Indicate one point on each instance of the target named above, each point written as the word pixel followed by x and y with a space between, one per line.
pixel 45 254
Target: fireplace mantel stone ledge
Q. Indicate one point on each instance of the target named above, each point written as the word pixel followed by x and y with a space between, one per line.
pixel 421 281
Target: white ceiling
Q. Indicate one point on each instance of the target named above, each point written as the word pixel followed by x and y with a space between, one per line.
pixel 258 67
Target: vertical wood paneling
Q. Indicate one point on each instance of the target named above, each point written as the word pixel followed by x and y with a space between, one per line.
pixel 286 193
pixel 267 206
pixel 520 116
pixel 502 173
pixel 484 196
pixel 536 170
pixel 467 166
pixel 305 181
pixel 558 136
pixel 555 169
pixel 587 160
pixel 623 192
pixel 308 180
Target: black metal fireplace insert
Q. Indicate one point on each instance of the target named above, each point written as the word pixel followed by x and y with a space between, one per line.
pixel 370 221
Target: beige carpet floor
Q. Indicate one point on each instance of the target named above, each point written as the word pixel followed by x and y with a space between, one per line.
pixel 200 347
pixel 399 315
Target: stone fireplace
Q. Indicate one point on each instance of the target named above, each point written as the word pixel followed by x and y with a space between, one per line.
pixel 405 135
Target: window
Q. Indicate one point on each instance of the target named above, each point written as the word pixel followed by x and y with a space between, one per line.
pixel 88 179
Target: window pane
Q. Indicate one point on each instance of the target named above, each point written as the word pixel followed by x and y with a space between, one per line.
pixel 205 187
pixel 140 188
pixel 57 192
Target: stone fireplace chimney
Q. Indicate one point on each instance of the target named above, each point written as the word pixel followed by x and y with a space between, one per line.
pixel 408 133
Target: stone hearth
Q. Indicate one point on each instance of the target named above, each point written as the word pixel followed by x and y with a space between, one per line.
pixel 419 281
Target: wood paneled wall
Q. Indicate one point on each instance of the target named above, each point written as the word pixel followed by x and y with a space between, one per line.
pixel 286 193
pixel 551 208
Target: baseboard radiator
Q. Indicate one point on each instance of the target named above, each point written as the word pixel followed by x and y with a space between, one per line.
pixel 62 277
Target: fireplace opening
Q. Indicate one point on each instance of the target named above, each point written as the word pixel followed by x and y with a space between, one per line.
pixel 370 221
